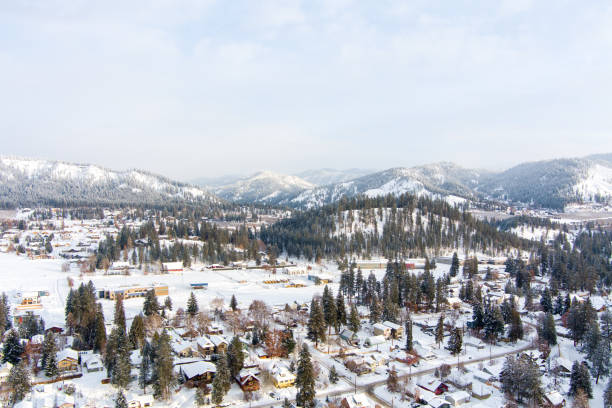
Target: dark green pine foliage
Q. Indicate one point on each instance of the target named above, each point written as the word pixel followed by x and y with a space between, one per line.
pixel 137 332
pixel 119 317
pixel 329 308
pixel 146 366
pixel 354 321
pixel 316 322
pixel 51 369
pixel 100 331
pixel 305 380
pixel 192 305
pixel 151 304
pixel 221 383
pixel 454 269
pixel 608 395
pixel 164 378
pixel 546 301
pixel 455 341
pixel 19 382
pixel 235 356
pixel 333 375
pixel 200 397
pixel 477 316
pixel 233 303
pixel 49 348
pixel 409 335
pixel 515 331
pixel 5 310
pixel 340 309
pixel 121 367
pixel 12 348
pixel 580 379
pixel 547 330
pixel 440 331
pixel 493 323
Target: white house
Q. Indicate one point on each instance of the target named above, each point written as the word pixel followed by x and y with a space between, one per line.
pixel 458 398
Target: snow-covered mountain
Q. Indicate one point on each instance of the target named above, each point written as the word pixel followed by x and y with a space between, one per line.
pixel 263 187
pixel 438 179
pixel 553 183
pixel 323 177
pixel 32 182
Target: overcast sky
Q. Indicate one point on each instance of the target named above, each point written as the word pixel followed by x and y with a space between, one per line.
pixel 205 88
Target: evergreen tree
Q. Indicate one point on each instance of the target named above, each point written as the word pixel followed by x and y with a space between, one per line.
pixel 477 316
pixel 99 343
pixel 600 361
pixel 440 331
pixel 515 331
pixel 305 381
pixel 5 321
pixel 580 379
pixel 221 383
pixel 354 321
pixel 454 269
pixel 455 341
pixel 12 349
pixel 333 375
pixel 119 318
pixel 49 348
pixel 163 368
pixel 286 403
pixel 546 301
pixel 340 309
pixel 493 323
pixel 151 304
pixel 120 400
pixel 192 305
pixel 409 335
pixel 144 373
pixel 233 303
pixel 316 323
pixel 608 395
pixel 137 332
pixel 51 369
pixel 520 378
pixel 592 338
pixel 329 308
pixel 19 381
pixel 235 356
pixel 547 330
pixel 121 367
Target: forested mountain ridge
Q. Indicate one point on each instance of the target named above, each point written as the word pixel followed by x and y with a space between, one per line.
pixel 542 184
pixel 31 182
pixel 391 227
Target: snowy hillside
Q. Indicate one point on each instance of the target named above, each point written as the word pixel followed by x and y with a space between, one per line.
pixel 438 179
pixel 263 187
pixel 323 177
pixel 31 182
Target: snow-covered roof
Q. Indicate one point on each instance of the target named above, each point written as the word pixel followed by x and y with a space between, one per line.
pixel 374 340
pixel 392 325
pixel 68 353
pixel 357 401
pixel 198 368
pixel 554 397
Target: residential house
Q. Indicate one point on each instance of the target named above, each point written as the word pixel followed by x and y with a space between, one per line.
pixel 205 346
pixel 382 330
pixel 68 360
pixel 199 372
pixel 433 385
pixel 282 377
pixel 247 380
pixel 220 344
pixel 349 336
pixel 92 363
pixel 359 400
pixel 458 398
pixel 397 331
pixel 375 341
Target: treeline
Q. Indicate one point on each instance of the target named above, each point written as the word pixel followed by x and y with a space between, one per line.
pixel 214 245
pixel 525 220
pixel 392 227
